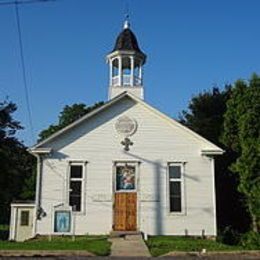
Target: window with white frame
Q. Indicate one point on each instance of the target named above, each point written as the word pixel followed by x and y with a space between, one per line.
pixel 76 173
pixel 175 172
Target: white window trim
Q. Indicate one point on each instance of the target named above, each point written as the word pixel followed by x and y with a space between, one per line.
pixel 83 185
pixel 183 197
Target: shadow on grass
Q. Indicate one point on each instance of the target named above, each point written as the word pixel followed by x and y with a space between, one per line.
pixel 4 232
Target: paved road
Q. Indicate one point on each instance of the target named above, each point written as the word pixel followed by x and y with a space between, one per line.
pixel 187 257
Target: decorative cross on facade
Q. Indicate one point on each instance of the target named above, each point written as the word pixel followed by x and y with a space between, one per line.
pixel 126 143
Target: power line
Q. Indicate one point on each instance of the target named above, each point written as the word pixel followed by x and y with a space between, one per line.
pixel 5 2
pixel 16 3
pixel 27 99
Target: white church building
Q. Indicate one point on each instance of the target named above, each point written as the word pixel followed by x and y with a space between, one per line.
pixel 123 167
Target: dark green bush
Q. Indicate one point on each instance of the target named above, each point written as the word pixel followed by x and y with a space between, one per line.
pixel 229 236
pixel 251 240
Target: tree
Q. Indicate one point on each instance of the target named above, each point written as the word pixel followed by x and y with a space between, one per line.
pixel 16 163
pixel 241 133
pixel 68 115
pixel 205 115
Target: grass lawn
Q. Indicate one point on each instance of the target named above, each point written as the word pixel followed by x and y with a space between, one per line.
pixel 159 245
pixel 4 227
pixel 98 245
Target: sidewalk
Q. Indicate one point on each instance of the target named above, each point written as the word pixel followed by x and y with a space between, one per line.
pixel 130 245
pixel 44 253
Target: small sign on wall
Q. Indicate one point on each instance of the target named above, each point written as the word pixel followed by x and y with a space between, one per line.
pixel 149 197
pixel 62 221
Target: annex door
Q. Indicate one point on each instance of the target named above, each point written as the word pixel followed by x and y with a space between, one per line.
pixel 125 201
pixel 24 223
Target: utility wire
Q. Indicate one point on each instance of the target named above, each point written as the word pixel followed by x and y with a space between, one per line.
pixel 27 99
pixel 4 2
pixel 21 50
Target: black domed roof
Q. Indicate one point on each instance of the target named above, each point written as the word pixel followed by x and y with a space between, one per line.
pixel 126 41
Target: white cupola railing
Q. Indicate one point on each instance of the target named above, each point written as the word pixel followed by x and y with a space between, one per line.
pixel 125 71
pixel 126 81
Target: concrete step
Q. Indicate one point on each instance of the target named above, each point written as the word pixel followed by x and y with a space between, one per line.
pixel 134 237
pixel 125 234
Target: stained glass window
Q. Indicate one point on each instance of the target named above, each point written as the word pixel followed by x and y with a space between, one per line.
pixel 125 178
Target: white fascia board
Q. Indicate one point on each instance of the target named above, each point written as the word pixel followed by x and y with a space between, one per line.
pixel 212 152
pixel 23 205
pixel 75 123
pixel 40 150
pixel 212 147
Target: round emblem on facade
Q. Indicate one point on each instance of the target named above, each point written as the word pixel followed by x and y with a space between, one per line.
pixel 126 126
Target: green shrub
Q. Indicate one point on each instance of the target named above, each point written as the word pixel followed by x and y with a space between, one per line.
pixel 229 236
pixel 251 240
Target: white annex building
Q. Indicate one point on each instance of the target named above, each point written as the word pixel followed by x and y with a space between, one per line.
pixel 123 167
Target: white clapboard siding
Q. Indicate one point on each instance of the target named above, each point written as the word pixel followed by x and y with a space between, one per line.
pixel 156 143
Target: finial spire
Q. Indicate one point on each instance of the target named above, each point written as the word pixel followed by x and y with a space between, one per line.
pixel 126 22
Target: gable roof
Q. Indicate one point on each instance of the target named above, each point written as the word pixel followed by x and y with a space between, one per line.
pixel 211 148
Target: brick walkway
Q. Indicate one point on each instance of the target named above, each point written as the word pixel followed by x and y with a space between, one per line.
pixel 130 245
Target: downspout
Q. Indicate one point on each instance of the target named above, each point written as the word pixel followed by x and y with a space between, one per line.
pixel 37 152
pixel 38 191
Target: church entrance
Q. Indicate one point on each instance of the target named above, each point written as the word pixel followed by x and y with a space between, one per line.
pixel 125 200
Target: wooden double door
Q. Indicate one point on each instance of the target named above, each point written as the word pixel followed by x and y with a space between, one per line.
pixel 125 211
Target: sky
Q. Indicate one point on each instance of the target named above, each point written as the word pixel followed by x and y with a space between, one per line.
pixel 192 46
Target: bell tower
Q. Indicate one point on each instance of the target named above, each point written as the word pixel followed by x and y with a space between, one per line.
pixel 125 65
